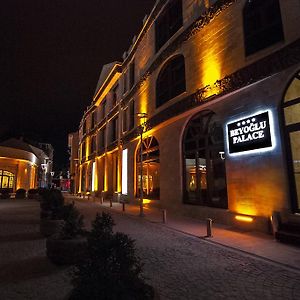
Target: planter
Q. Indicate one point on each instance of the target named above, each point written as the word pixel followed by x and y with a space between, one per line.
pixel 50 227
pixel 66 252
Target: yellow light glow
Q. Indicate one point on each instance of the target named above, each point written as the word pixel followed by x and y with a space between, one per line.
pixel 247 219
pixel 147 201
pixel 87 146
pixel 143 102
pixel 211 73
pixel 17 160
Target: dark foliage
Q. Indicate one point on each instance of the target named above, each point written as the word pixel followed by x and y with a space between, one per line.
pixel 112 270
pixel 20 194
pixel 5 194
pixel 73 225
pixel 53 202
pixel 33 194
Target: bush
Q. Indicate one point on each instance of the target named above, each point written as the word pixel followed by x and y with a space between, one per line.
pixel 111 270
pixel 5 194
pixel 20 194
pixel 33 194
pixel 52 202
pixel 73 225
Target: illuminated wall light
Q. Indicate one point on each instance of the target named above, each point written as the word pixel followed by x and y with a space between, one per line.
pixel 80 179
pixel 93 176
pixel 124 171
pixel 147 201
pixel 247 219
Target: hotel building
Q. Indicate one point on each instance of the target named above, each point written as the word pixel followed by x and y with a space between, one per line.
pixel 212 89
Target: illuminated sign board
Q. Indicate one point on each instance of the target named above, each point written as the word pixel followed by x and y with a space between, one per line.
pixel 251 133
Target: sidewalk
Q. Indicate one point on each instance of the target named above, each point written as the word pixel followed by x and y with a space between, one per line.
pixel 258 244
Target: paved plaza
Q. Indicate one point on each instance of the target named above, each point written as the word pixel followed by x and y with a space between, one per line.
pixel 178 265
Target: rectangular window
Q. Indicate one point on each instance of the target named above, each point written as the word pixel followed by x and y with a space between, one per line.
pixel 114 96
pixel 114 132
pixel 103 109
pixel 101 136
pixel 84 127
pixel 124 119
pixel 168 23
pixel 93 121
pixel 131 75
pixel 131 115
pixel 125 83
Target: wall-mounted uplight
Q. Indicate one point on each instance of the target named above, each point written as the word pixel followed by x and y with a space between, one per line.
pixel 241 218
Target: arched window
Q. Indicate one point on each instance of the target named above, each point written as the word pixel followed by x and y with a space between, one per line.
pixel 262 24
pixel 204 164
pixel 151 169
pixel 291 111
pixel 6 180
pixel 171 80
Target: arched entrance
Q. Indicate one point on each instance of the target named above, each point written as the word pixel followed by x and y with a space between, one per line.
pixel 7 180
pixel 203 160
pixel 291 113
pixel 151 169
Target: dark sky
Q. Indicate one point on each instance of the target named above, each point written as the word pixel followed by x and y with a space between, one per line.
pixel 51 54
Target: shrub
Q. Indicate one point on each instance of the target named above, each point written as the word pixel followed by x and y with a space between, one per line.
pixel 73 225
pixel 20 194
pixel 52 202
pixel 111 270
pixel 33 194
pixel 5 194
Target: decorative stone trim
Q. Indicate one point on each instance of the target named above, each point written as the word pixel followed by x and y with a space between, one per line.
pixel 267 66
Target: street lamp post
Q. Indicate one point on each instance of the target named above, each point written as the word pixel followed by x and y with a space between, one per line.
pixel 142 127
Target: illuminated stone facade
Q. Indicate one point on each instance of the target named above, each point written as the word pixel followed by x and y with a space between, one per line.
pixel 194 68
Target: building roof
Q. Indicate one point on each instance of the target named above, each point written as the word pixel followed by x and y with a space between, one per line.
pixel 21 145
pixel 106 69
pixel 17 144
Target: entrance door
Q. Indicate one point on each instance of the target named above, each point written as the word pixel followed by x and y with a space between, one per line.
pixel 291 111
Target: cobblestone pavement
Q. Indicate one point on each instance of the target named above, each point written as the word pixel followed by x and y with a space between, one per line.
pixel 25 272
pixel 185 267
pixel 177 265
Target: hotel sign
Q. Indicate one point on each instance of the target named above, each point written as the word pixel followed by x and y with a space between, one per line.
pixel 251 133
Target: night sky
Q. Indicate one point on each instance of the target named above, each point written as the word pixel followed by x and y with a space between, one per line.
pixel 51 55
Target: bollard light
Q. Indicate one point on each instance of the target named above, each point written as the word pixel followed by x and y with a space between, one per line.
pixel 209 227
pixel 164 216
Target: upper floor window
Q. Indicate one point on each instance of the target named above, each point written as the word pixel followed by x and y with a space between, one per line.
pixel 131 75
pixel 101 138
pixel 262 25
pixel 103 106
pixel 84 127
pixel 93 144
pixel 168 23
pixel 114 96
pixel 125 82
pixel 171 80
pixel 124 119
pixel 114 129
pixel 131 115
pixel 93 121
